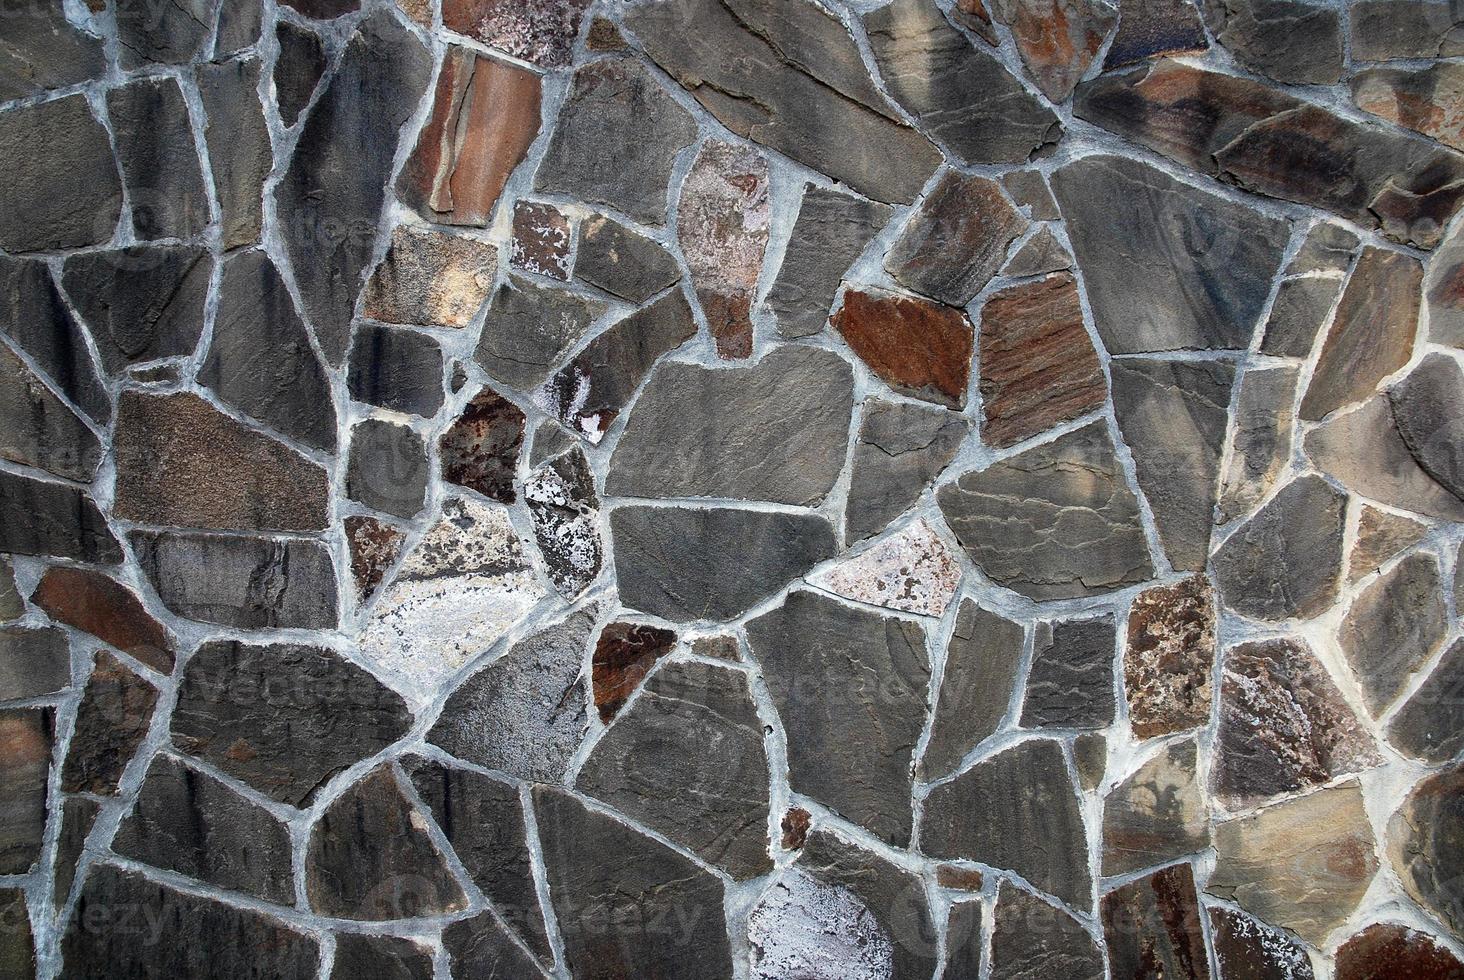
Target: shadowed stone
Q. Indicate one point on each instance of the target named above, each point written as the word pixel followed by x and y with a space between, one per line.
pixel 1303 864
pixel 802 925
pixel 524 713
pixel 1173 415
pixel 1016 810
pixel 1392 628
pixel 38 517
pixel 1090 759
pixel 623 262
pixel 78 816
pixel 1029 190
pixel 1054 521
pixel 481 449
pixel 614 892
pixel 831 231
pixel 912 570
pixel 114 716
pixel 34 662
pixel 565 512
pixel 41 430
pixel 172 34
pixel 1443 289
pixel 617 110
pixel 239 26
pixel 1301 309
pixel 1152 27
pixel 370 857
pixel 1169 657
pixel 481 947
pixel 1381 537
pixel 239 149
pixel 775 431
pixel 900 449
pixel 528 328
pixel 1219 257
pixel 1032 940
pixel 965 939
pixel 624 654
pixel 1425 100
pixel 1070 684
pixel 1057 39
pixel 243 582
pixel 790 77
pixel 982 661
pixel 37 319
pixel 1154 927
pixel 1385 950
pixel 956 240
pixel 62 187
pixel 1245 949
pixel 397 369
pixel 430 278
pixel 154 140
pixel 1288 40
pixel 26 736
pixel 42 50
pixel 337 176
pixel 188 822
pixel 298 68
pixel 1426 846
pixel 1286 561
pixel 687 761
pixel 1430 725
pixel 108 610
pixel 542 240
pixel 375 546
pixel 1155 815
pixel 12 606
pixel 142 302
pixel 917 347
pixel 1382 31
pixel 386 468
pixel 1428 409
pixel 540 31
pixel 1041 254
pixel 379 957
pixel 191 936
pixel 1261 446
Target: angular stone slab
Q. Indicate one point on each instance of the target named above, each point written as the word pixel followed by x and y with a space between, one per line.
pixel 63 189
pixel 776 431
pixel 1041 254
pixel 623 262
pixel 900 449
pixel 1054 521
pixel 1301 309
pixel 113 718
pixel 1070 683
pixel 831 231
pixel 42 430
pixel 529 327
pixel 1261 445
pixel 1392 628
pixel 542 32
pixel 26 736
pixel 1032 940
pixel 1443 290
pixel 481 449
pixel 1245 947
pixel 1152 27
pixel 1057 39
pixel 375 547
pixel 917 347
pixel 1381 537
pixel 1169 657
pixel 34 315
pixel 78 816
pixel 1430 725
pixel 430 278
pixel 1427 411
pixel 1424 846
pixel 1286 561
pixel 142 302
pixel 386 468
pixel 982 662
pixel 1411 29
pixel 154 140
pixel 108 610
pixel 912 570
pixel 298 69
pixel 565 512
pixel 480 947
pixel 239 149
pixel 543 238
pixel 171 35
pixel 801 921
pixel 34 662
pixel 1291 41
pixel 39 517
pixel 1157 814
pixel 956 240
pixel 1154 927
pixel 1425 100
pixel 396 369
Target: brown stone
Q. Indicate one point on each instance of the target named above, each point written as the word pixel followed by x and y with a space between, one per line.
pixel 542 239
pixel 1154 928
pixel 114 717
pixel 537 31
pixel 717 647
pixel 183 463
pixel 1427 100
pixel 1384 951
pixel 1426 846
pixel 1245 949
pixel 484 116
pixel 958 878
pixel 918 347
pixel 25 766
pixel 481 449
pixel 1168 658
pixel 956 240
pixel 375 546
pixel 1157 814
pixel 603 35
pixel 1090 759
pixel 1041 254
pixel 624 654
pixel 1381 536
pixel 795 828
pixel 106 609
pixel 1393 627
pixel 1260 447
pixel 1038 365
pixel 430 278
pixel 1057 39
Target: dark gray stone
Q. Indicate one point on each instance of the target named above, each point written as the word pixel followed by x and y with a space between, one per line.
pixel 1090 759
pixel 239 25
pixel 1288 40
pixel 616 140
pixel 1070 684
pixel 380 958
pixel 528 328
pixel 329 200
pixel 965 937
pixel 1261 448
pixel 38 517
pixel 789 76
pixel 1017 810
pixel 1383 30
pixel 189 936
pixel 1393 628
pixel 686 759
pixel 832 230
pixel 260 360
pixel 1286 561
pixel 154 138
pixel 1029 190
pixel 777 431
pixel 140 303
pixel 386 468
pixel 565 512
pixel 33 662
pixel 956 240
pixel 480 947
pixel 1220 257
pixel 1157 814
pixel 187 821
pixel 982 662
pixel 26 736
pixel 113 718
pixel 171 34
pixel 1428 409
pixel 239 149
pixel 298 67
pixel 1430 725
pixel 963 96
pixel 41 430
pixel 627 905
pixel 850 686
pixel 243 582
pixel 1174 416
pixel 1247 949
pixel 283 718
pixel 1328 248
pixel 42 50
pixel 1032 940
pixel 1054 521
pixel 1151 27
pixel 397 369
pixel 684 564
pixel 78 816
pixel 550 440
pixel 1302 308
pixel 1426 846
pixel 62 188
pixel 900 449
pixel 623 262
pixel 37 319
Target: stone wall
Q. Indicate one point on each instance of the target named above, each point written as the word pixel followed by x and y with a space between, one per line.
pixel 678 489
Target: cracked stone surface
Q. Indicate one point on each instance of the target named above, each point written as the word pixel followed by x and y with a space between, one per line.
pixel 981 667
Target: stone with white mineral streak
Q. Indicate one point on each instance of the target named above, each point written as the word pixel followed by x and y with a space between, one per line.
pixel 805 928
pixel 913 571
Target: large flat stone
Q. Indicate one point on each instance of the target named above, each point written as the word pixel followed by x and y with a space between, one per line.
pixel 956 240
pixel 44 50
pixel 481 449
pixel 1070 682
pixel 239 149
pixel 42 430
pixel 982 661
pixel 1382 31
pixel 1261 445
pixel 35 316
pixel 1169 657
pixel 171 35
pixel 298 68
pixel 1425 100
pixel 397 369
pixel 63 189
pixel 899 450
pixel 1286 561
pixel 625 263
pixel 831 231
pixel 1032 940
pixel 1152 27
pixel 1430 725
pixel 917 347
pixel 1303 306
pixel 1157 814
pixel 1392 628
pixel 154 140
pixel 1426 846
pixel 386 468
pixel 912 570
pixel 1381 537
pixel 113 718
pixel 26 736
pixel 39 517
pixel 108 610
pixel 142 302
pixel 1288 40
pixel 802 925
pixel 529 327
pixel 1154 927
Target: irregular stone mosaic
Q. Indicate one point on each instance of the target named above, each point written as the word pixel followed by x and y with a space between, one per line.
pixel 912 571
pixel 982 661
pixel 899 450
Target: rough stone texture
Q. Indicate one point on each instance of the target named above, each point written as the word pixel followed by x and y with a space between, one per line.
pixel 529 327
pixel 1246 949
pixel 1414 29
pixel 565 512
pixel 687 761
pixel 1016 810
pixel 114 716
pixel 282 718
pixel 1057 39
pixel 541 31
pixel 1154 927
pixel 481 449
pixel 542 240
pixel 1426 409
pixel 386 468
pixel 1155 815
pixel 956 240
pixel 1169 656
pixel 1090 759
pixel 382 957
pixel 142 302
pixel 480 947
pixel 1261 444
pixel 1381 537
pixel 805 927
pixel 1041 254
pixel 1425 100
pixel 43 50
pixel 1424 845
pixel 1385 950
pixel 1303 865
pixel 239 25
pixel 982 661
pixel 616 892
pixel 1288 40
pixel 899 450
pixel 108 610
pixel 1430 725
pixel 63 189
pixel 39 517
pixel 154 141
pixel 624 654
pixel 918 348
pixel 78 816
pixel 1152 27
pixel 36 318
pixel 1286 560
pixel 396 369
pixel 26 736
pixel 1327 248
pixel 1392 628
pixel 1301 309
pixel 170 35
pixel 11 603
pixel 1070 683
pixel 42 430
pixel 623 262
pixel 845 683
pixel 1032 940
pixel 776 431
pixel 430 278
pixel 1054 521
pixel 1029 189
pixel 912 571
pixel 1284 726
pixel 831 231
pixel 1444 294
pixel 1173 415
pixel 374 547
pixel 34 662
pixel 298 68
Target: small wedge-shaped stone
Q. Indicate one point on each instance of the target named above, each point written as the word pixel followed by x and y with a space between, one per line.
pixel 62 187
pixel 1157 814
pixel 1428 408
pixel 539 31
pixel 106 609
pixel 528 328
pixel 1032 940
pixel 1422 99
pixel 430 278
pixel 832 230
pixel 481 449
pixel 159 163
pixel 1327 248
pixel 34 662
pixel 1302 308
pixel 789 76
pixel 1017 810
pixel 239 149
pixel 623 262
pixel 298 69
pixel 776 431
pixel 1381 537
pixel 115 714
pixel 1042 253
pixel 43 50
pixel 1284 726
pixel 181 462
pixel 1392 628
pixel 1054 521
pixel 286 748
pixel 1152 27
pixel 1173 415
pixel 1286 561
pixel 683 563
pixel 687 761
pixel 565 512
pixel 26 736
pixel 1261 445
pixel 912 571
pixel 1154 927
pixel 982 661
pixel 385 957
pixel 1426 846
pixel 1288 40
pixel 375 547
pixel 1219 257
pixel 900 449
pixel 1169 657
pixel 1057 39
pixel 614 890
pixel 171 35
pixel 1303 864
pixel 18 944
pixel 370 857
pixel 39 517
pixel 41 430
pixel 846 683
pixel 1430 725
pixel 1246 948
pixel 1070 684
pixel 956 240
pixel 142 302
pixel 188 822
pixel 804 925
pixel 917 347
pixel 34 316
pixel 624 654
pixel 617 110
pixel 1385 950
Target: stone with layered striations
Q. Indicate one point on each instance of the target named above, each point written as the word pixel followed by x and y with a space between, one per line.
pixel 114 716
pixel 624 262
pixel 26 736
pixel 1154 927
pixel 1169 657
pixel 1286 561
pixel 39 517
pixel 142 302
pixel 154 140
pixel 108 610
pixel 1057 39
pixel 1247 949
pixel 481 449
pixel 1428 409
pixel 1430 725
pixel 1426 846
pixel 1288 40
pixel 35 316
pixel 831 231
pixel 1381 537
pixel 1070 684
pixel 900 449
pixel 42 430
pixel 63 188
pixel 624 654
pixel 34 662
pixel 1393 628
pixel 1032 940
pixel 917 347
pixel 982 662
pixel 1153 27
pixel 956 240
pixel 240 152
pixel 542 240
pixel 430 278
pixel 1260 447
pixel 541 32
pixel 1157 814
pixel 529 327
pixel 912 570
pixel 565 512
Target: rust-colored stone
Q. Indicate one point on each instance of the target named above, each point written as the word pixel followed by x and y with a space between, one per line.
pixel 1169 656
pixel 1057 39
pixel 485 114
pixel 375 546
pixel 25 764
pixel 1428 100
pixel 1038 365
pixel 106 609
pixel 795 828
pixel 1155 929
pixel 918 347
pixel 624 654
pixel 959 878
pixel 542 238
pixel 481 449
pixel 1384 951
pixel 973 15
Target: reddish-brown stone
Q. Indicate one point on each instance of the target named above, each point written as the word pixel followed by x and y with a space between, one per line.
pixel 108 610
pixel 1385 951
pixel 1057 39
pixel 959 878
pixel 795 828
pixel 624 654
pixel 542 239
pixel 25 765
pixel 918 347
pixel 481 449
pixel 1038 365
pixel 973 15
pixel 375 546
pixel 115 714
pixel 1429 100
pixel 1169 657
pixel 484 116
pixel 1154 929
pixel 1246 949
pixel 538 31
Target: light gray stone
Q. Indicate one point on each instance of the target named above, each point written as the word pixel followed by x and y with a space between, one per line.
pixel 1430 725
pixel 565 512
